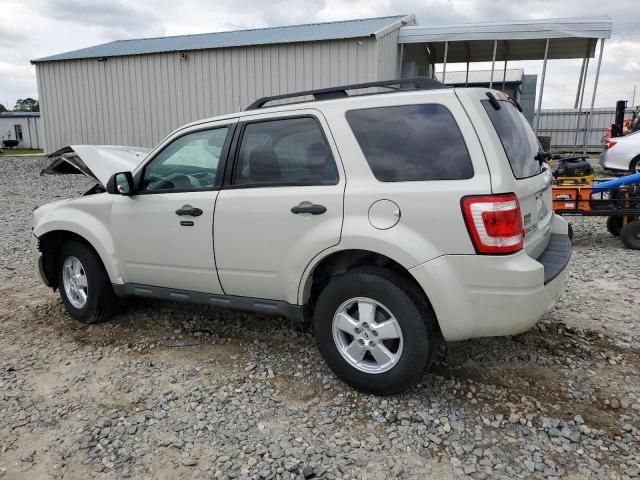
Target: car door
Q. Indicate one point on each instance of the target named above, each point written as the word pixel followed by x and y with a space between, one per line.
pixel 280 206
pixel 163 233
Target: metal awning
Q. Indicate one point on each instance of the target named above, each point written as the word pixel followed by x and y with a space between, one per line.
pixel 559 38
pixel 522 40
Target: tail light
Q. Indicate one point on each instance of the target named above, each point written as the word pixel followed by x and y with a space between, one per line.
pixel 609 144
pixel 494 223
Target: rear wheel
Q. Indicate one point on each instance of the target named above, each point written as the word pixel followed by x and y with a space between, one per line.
pixel 630 235
pixel 83 283
pixel 634 166
pixel 614 225
pixel 375 330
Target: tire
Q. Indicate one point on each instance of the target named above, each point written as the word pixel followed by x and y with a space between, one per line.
pixel 391 294
pixel 634 166
pixel 614 225
pixel 630 235
pixel 81 262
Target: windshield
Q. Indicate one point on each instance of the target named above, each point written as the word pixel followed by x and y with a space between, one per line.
pixel 518 140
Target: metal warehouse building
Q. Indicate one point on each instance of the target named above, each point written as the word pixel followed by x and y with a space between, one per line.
pixel 25 127
pixel 135 92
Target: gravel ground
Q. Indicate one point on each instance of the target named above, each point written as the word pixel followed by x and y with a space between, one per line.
pixel 179 391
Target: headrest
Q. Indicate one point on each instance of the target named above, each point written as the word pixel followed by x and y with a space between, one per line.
pixel 263 164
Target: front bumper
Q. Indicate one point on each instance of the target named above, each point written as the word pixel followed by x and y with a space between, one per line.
pixel 484 296
pixel 38 261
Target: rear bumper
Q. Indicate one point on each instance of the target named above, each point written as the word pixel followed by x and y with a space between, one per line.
pixel 484 296
pixel 609 161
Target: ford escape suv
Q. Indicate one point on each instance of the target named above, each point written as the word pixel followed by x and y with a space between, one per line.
pixel 391 220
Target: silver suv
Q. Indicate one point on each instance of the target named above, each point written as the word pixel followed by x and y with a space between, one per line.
pixel 393 221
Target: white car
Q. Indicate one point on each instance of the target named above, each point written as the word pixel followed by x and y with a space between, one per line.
pixel 392 221
pixel 622 153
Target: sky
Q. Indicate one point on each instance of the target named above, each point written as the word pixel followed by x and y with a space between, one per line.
pixel 36 28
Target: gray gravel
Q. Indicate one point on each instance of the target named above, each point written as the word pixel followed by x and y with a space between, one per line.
pixel 180 391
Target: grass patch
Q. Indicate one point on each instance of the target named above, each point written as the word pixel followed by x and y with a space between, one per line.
pixel 8 152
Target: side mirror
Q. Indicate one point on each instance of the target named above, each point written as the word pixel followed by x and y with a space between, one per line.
pixel 121 183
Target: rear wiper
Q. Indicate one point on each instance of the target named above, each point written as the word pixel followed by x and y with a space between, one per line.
pixel 542 156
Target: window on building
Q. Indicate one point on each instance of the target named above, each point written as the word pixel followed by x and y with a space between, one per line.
pixel 18 130
pixel 290 151
pixel 411 143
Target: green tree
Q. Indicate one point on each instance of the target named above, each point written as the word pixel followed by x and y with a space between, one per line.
pixel 27 105
pixel 2 108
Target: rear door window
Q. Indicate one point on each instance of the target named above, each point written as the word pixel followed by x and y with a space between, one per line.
pixel 518 140
pixel 411 143
pixel 289 151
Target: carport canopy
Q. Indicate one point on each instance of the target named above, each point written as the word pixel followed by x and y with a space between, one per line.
pixel 561 38
pixel 521 40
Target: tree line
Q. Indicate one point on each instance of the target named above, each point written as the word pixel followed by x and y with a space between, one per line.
pixel 23 105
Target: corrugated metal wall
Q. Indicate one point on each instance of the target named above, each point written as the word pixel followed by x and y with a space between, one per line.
pixel 32 133
pixel 137 100
pixel 415 61
pixel 562 126
pixel 388 56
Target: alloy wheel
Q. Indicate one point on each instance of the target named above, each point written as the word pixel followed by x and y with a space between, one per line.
pixel 367 335
pixel 74 280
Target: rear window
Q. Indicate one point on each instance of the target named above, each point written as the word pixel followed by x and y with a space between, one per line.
pixel 411 143
pixel 518 140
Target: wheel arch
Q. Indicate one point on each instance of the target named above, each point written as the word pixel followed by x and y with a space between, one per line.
pixel 340 261
pixel 50 241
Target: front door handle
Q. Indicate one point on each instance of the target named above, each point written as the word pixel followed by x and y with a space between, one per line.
pixel 307 207
pixel 188 210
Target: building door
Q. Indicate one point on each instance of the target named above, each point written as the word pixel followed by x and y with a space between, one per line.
pixel 18 132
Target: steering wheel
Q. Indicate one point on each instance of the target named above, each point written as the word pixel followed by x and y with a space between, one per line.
pixel 179 180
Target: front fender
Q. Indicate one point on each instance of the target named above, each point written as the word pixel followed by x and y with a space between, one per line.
pixel 87 221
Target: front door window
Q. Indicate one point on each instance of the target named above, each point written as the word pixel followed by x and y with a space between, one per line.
pixel 190 163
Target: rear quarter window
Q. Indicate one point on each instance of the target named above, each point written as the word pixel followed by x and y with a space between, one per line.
pixel 411 143
pixel 518 140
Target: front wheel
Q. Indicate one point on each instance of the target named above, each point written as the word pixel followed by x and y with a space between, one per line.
pixel 83 283
pixel 375 330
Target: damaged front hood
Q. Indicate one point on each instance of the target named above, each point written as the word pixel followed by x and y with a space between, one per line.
pixel 95 161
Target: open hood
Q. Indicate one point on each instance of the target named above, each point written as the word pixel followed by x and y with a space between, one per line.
pixel 95 161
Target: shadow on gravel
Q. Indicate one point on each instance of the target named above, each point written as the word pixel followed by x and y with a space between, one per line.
pixel 556 370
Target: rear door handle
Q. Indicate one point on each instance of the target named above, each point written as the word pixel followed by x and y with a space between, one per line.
pixel 188 210
pixel 307 207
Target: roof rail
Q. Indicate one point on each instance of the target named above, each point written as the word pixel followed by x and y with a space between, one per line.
pixel 418 83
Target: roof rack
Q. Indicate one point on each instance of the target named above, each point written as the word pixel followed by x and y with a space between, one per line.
pixel 417 83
